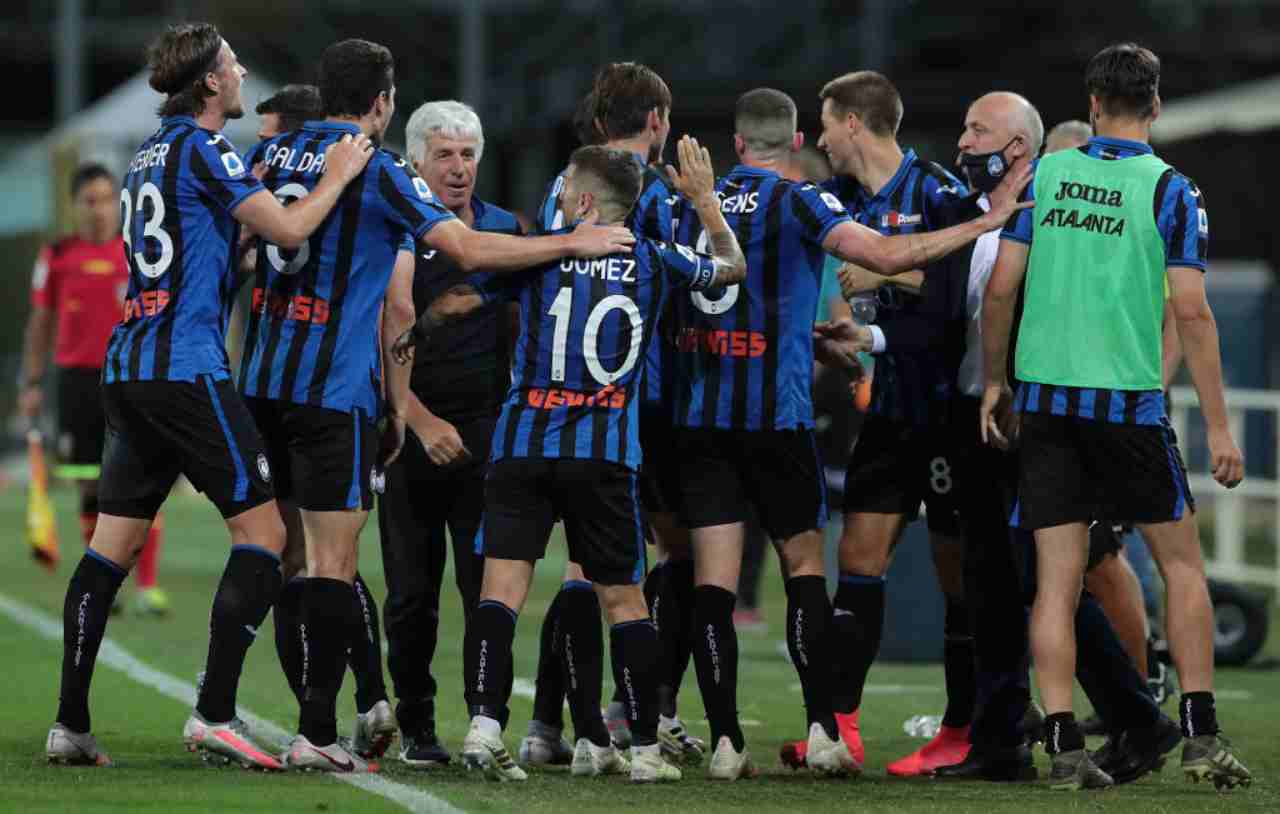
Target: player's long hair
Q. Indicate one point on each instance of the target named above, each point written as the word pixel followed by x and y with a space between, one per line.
pixel 179 60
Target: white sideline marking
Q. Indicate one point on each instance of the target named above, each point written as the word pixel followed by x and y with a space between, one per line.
pixel 113 655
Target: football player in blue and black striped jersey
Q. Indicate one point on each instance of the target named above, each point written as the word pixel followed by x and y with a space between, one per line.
pixel 745 369
pixel 312 367
pixel 170 405
pixel 568 445
pixel 627 109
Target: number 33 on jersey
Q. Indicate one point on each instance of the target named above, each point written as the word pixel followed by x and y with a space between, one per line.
pixel 584 326
pixel 175 210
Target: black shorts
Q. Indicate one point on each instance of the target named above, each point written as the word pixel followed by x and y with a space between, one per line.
pixel 896 466
pixel 599 502
pixel 158 430
pixel 1072 470
pixel 324 460
pixel 659 479
pixel 82 425
pixel 724 473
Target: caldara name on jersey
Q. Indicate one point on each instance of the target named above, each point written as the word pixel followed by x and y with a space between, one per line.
pixel 892 219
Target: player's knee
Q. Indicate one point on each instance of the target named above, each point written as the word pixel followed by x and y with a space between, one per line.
pixel 802 555
pixel 622 603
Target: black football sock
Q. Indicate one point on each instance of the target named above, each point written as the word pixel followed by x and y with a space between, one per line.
pixel 958 665
pixel 249 588
pixel 85 610
pixel 653 601
pixel 366 649
pixel 715 655
pixel 581 649
pixel 327 609
pixel 487 659
pixel 808 642
pixel 1062 733
pixel 633 649
pixel 858 623
pixel 287 620
pixel 1197 713
pixel 548 696
pixel 678 587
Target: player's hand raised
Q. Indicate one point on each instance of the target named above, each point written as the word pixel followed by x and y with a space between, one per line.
pixel 696 178
pixel 348 156
pixel 1004 198
pixel 1225 457
pixel 592 240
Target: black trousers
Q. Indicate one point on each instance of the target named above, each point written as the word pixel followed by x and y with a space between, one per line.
pixel 421 503
pixel 995 581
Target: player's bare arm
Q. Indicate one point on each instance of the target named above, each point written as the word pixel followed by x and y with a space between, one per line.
pixel 288 227
pixel 997 323
pixel 1199 334
pixel 488 251
pixel 696 181
pixel 454 304
pixel 397 317
pixel 855 243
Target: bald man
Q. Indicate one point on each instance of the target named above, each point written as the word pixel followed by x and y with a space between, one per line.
pixel 1000 130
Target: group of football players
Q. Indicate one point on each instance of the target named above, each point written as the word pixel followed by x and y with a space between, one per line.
pixel 640 368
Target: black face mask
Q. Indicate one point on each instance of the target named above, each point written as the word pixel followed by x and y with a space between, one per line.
pixel 985 170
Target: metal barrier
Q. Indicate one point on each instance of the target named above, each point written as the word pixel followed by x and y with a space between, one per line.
pixel 1229 522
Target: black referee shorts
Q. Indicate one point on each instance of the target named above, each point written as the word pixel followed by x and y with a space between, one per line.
pixel 82 425
pixel 1073 470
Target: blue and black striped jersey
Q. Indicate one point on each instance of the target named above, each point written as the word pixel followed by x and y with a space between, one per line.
pixel 312 334
pixel 1179 211
pixel 915 377
pixel 744 359
pixel 577 368
pixel 180 238
pixel 651 217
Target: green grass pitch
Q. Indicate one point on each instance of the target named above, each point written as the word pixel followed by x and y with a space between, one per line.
pixel 140 727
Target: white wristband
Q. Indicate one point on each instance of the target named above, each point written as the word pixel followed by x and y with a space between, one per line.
pixel 877 339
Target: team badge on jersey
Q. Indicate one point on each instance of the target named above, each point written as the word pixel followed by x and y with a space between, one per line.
pixel 264 468
pixel 420 186
pixel 832 202
pixel 235 167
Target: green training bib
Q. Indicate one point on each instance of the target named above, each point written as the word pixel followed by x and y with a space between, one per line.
pixel 1095 284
